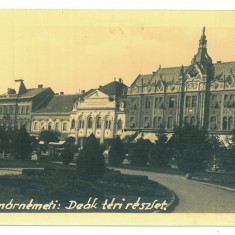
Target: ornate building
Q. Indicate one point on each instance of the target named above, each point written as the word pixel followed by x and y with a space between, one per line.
pixel 101 112
pixel 201 93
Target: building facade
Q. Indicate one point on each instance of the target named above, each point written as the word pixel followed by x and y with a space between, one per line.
pixel 17 105
pixel 101 112
pixel 201 93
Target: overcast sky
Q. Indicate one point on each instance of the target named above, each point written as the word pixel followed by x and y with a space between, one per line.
pixel 71 50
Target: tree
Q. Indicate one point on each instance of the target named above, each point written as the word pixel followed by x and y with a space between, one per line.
pixel 191 148
pixel 49 136
pixel 160 153
pixel 67 155
pixel 22 143
pixel 116 152
pixel 139 153
pixel 90 163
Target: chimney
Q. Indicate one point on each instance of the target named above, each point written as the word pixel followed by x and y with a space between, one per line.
pixel 40 86
pixel 219 62
pixel 120 80
pixel 114 79
pixel 83 91
pixel 100 86
pixel 160 66
pixel 61 93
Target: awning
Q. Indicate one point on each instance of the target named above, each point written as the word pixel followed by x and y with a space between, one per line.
pixel 126 133
pixel 57 143
pixel 225 139
pixel 152 137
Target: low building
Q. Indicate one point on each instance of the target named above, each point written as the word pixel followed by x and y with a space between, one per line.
pixel 17 105
pixel 54 115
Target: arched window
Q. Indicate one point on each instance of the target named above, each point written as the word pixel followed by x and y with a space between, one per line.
pixel 27 109
pixel 107 124
pixel 57 126
pixel 35 126
pixel 42 126
pixel 98 123
pixel 119 125
pixel 49 125
pixel 89 122
pixel 65 126
pixel 73 124
pixel 81 124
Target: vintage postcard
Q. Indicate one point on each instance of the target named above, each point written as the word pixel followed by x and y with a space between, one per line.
pixel 117 117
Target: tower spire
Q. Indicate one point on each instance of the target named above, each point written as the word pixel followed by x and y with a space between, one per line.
pixel 203 41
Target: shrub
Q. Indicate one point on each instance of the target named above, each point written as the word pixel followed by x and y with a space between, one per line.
pixel 90 162
pixel 22 143
pixel 116 152
pixel 49 136
pixel 139 153
pixel 67 155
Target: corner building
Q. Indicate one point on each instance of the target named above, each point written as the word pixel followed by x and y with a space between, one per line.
pixel 201 93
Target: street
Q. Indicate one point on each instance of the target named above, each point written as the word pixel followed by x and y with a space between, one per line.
pixel 193 196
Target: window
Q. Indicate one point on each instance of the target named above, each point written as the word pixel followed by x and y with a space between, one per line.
pixel 89 122
pixel 230 123
pixel 155 122
pixel 159 122
pixel 226 100
pixel 194 101
pixel 42 126
pixel 57 126
pixel 161 102
pixel 213 125
pixel 81 124
pixel 27 109
pixel 49 126
pixel 23 110
pixel 156 100
pixel 170 122
pixel 107 124
pixel 186 120
pixel 65 126
pixel 11 109
pixel 171 102
pixel 188 101
pixel 132 122
pixel 231 100
pixel 35 126
pixel 147 103
pixel 193 121
pixel 146 122
pixel 225 123
pixel 72 124
pixel 98 123
pixel 0 109
pixel 214 101
pixel 119 125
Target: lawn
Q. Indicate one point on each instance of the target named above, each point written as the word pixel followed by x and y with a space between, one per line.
pixel 59 184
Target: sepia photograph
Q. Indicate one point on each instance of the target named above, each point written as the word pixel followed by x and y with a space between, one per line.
pixel 117 113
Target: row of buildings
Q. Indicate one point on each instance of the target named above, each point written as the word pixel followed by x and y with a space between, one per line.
pixel 199 93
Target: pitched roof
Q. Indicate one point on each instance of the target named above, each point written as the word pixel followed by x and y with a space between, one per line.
pixel 223 69
pixel 30 93
pixel 113 88
pixel 168 74
pixel 59 104
pixel 146 78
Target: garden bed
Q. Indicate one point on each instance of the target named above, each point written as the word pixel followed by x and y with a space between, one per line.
pixel 62 186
